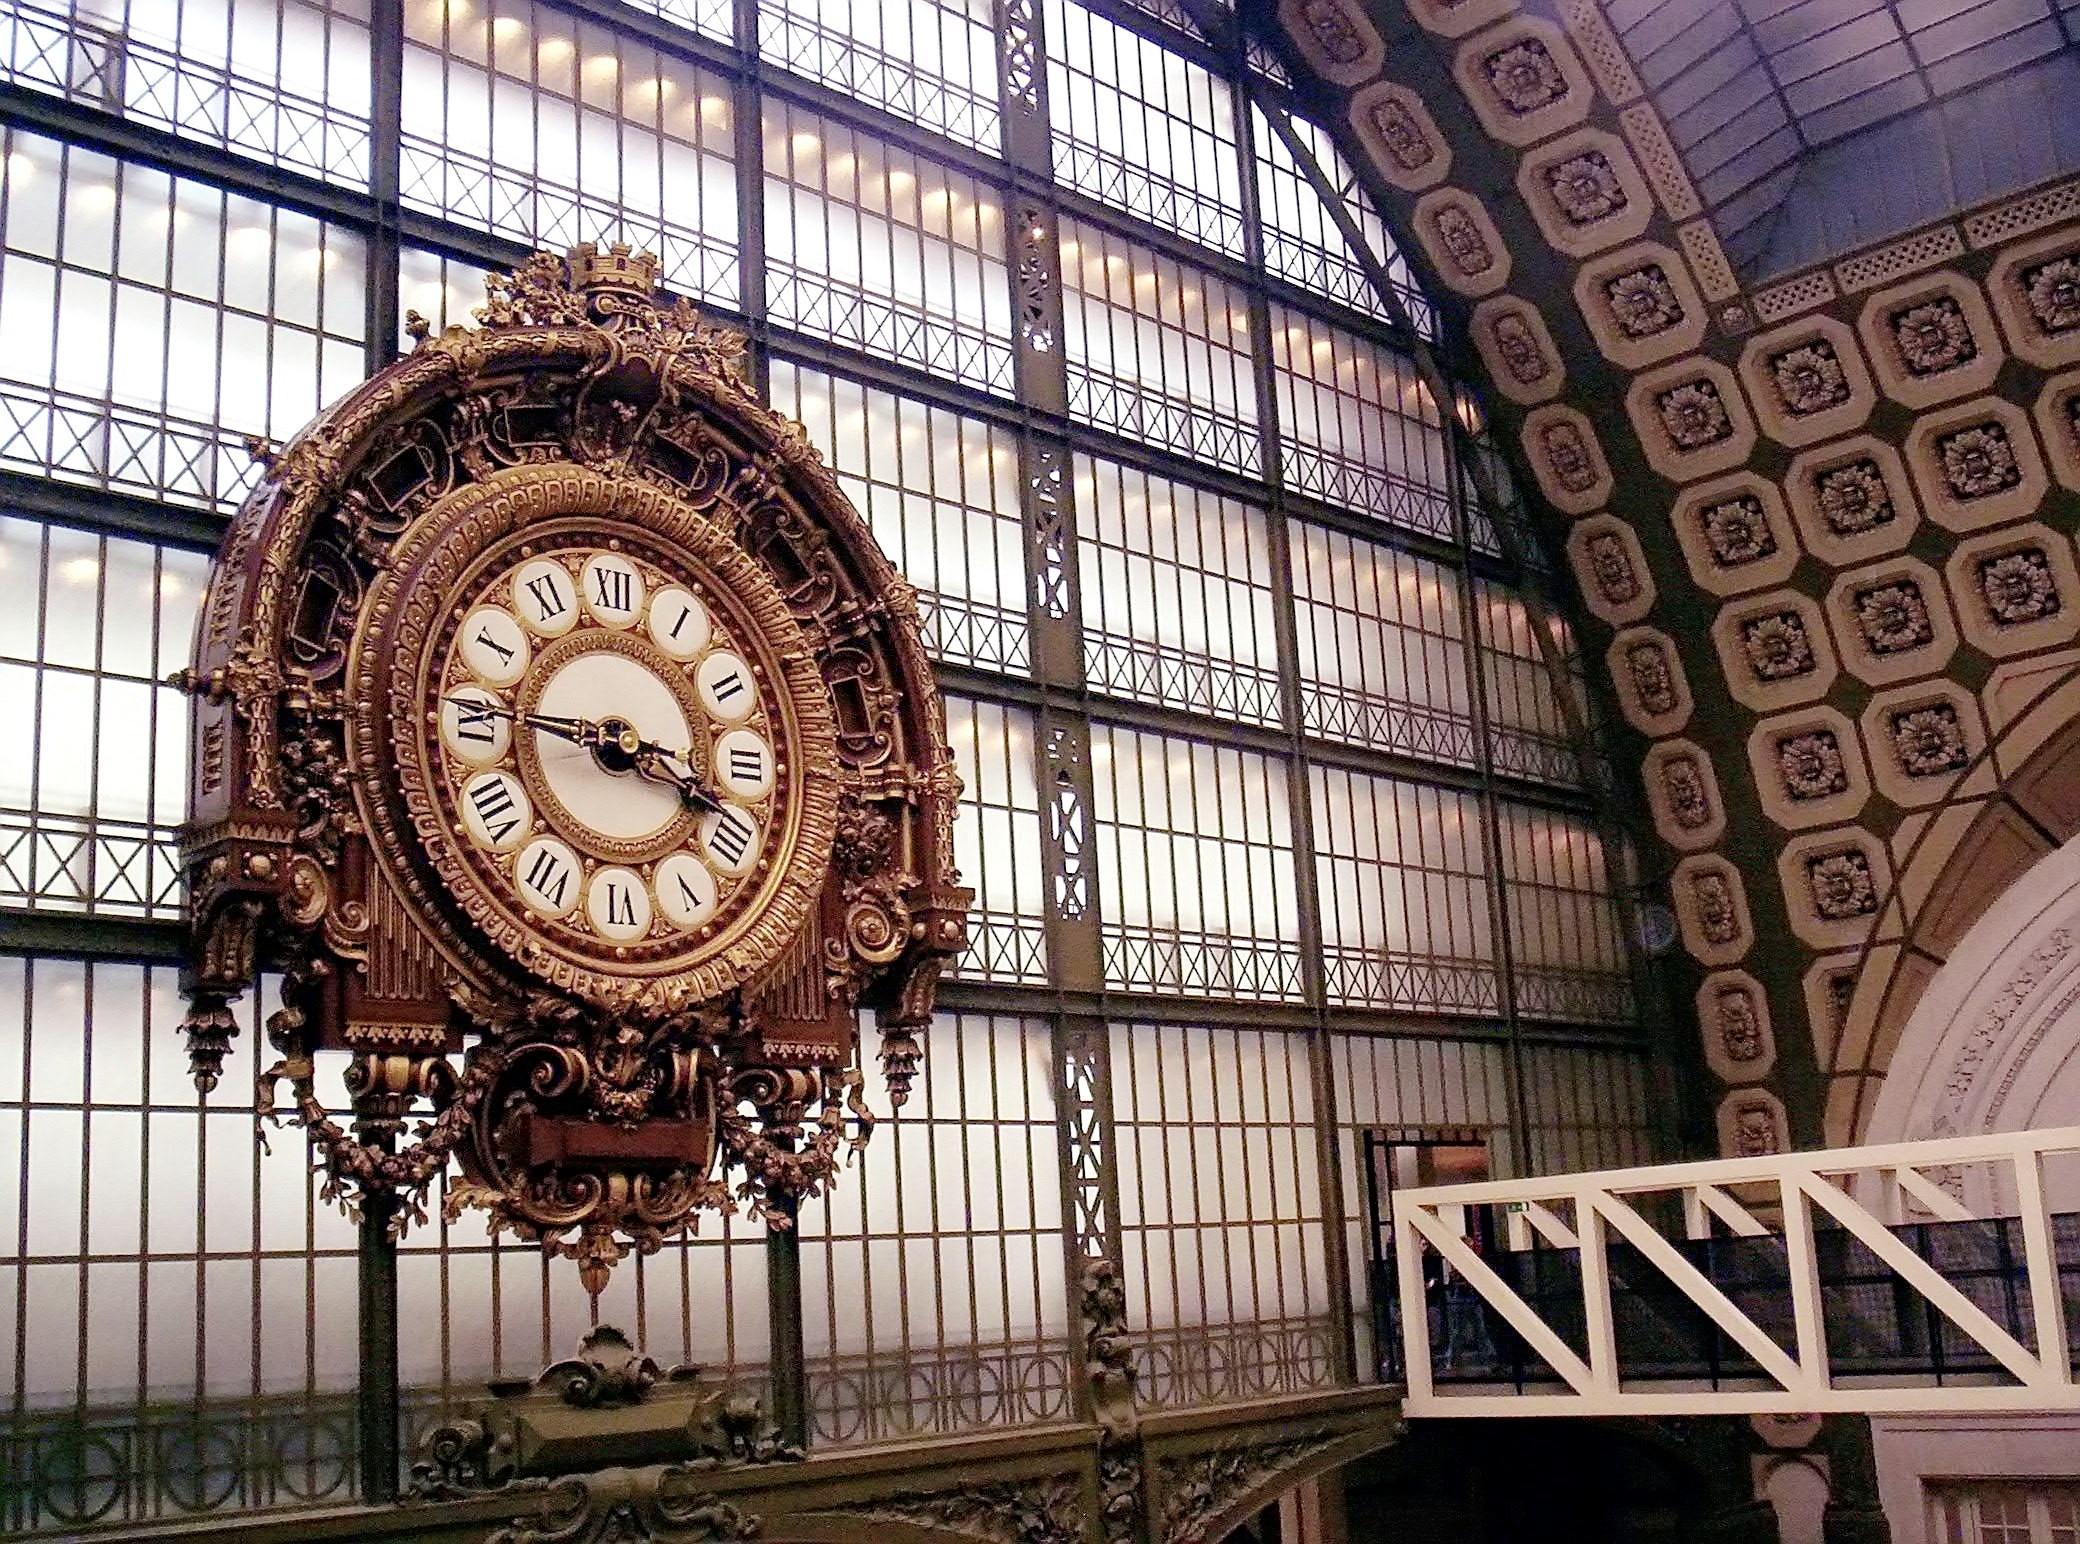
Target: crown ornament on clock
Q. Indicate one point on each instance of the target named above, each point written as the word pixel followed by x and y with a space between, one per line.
pixel 566 743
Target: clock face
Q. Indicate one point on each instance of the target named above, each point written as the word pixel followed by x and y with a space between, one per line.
pixel 613 751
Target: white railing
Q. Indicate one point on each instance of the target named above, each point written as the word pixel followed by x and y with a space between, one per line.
pixel 1865 1193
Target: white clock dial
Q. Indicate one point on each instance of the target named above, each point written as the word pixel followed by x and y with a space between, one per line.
pixel 494 646
pixel 617 904
pixel 548 876
pixel 613 590
pixel 744 764
pixel 473 727
pixel 604 829
pixel 496 811
pixel 592 686
pixel 546 598
pixel 678 622
pixel 730 837
pixel 686 891
pixel 725 685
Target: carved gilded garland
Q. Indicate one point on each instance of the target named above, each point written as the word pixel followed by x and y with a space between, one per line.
pixel 596 1076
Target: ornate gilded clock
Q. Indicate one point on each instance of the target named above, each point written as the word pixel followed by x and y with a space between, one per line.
pixel 564 738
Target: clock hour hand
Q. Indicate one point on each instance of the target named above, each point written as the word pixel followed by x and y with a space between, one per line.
pixel 618 746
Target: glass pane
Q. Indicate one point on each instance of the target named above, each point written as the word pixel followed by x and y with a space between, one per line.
pixel 1382 647
pixel 161 323
pixel 91 796
pixel 444 291
pixel 1158 352
pixel 128 1317
pixel 1360 428
pixel 997 841
pixel 1195 849
pixel 1587 1109
pixel 1142 129
pixel 1568 948
pixel 1220 1213
pixel 526 121
pixel 940 490
pixel 885 251
pixel 1527 719
pixel 929 62
pixel 1302 243
pixel 713 18
pixel 283 81
pixel 1406 919
pixel 933 1295
pixel 1178 606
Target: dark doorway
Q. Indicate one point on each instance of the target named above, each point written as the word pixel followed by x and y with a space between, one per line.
pixel 1510 1482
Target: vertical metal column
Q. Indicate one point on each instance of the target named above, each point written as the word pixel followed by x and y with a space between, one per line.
pixel 1075 950
pixel 1300 788
pixel 376 1413
pixel 787 1370
pixel 377 1422
pixel 386 129
pixel 789 1366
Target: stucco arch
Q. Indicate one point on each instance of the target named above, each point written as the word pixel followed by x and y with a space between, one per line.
pixel 1982 1049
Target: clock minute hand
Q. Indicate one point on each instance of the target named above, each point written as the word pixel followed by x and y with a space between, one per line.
pixel 614 745
pixel 579 731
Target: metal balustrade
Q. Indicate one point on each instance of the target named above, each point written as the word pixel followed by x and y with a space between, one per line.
pixel 1925 1276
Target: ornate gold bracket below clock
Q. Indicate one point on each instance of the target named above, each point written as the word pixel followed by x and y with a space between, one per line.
pixel 565 740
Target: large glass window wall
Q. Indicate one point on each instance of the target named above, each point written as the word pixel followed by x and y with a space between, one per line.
pixel 286 82
pixel 1272 795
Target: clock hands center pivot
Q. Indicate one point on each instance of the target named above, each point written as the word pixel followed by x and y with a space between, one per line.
pixel 616 745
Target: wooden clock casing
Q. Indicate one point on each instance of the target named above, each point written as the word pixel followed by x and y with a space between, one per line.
pixel 586 1073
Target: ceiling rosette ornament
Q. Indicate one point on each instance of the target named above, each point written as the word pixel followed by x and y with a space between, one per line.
pixel 564 738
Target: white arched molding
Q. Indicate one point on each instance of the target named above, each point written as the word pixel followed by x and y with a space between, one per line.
pixel 1994 1043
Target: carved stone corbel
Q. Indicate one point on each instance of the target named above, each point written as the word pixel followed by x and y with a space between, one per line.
pixel 546 1435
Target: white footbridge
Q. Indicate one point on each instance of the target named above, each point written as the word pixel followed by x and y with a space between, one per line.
pixel 1923 1277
